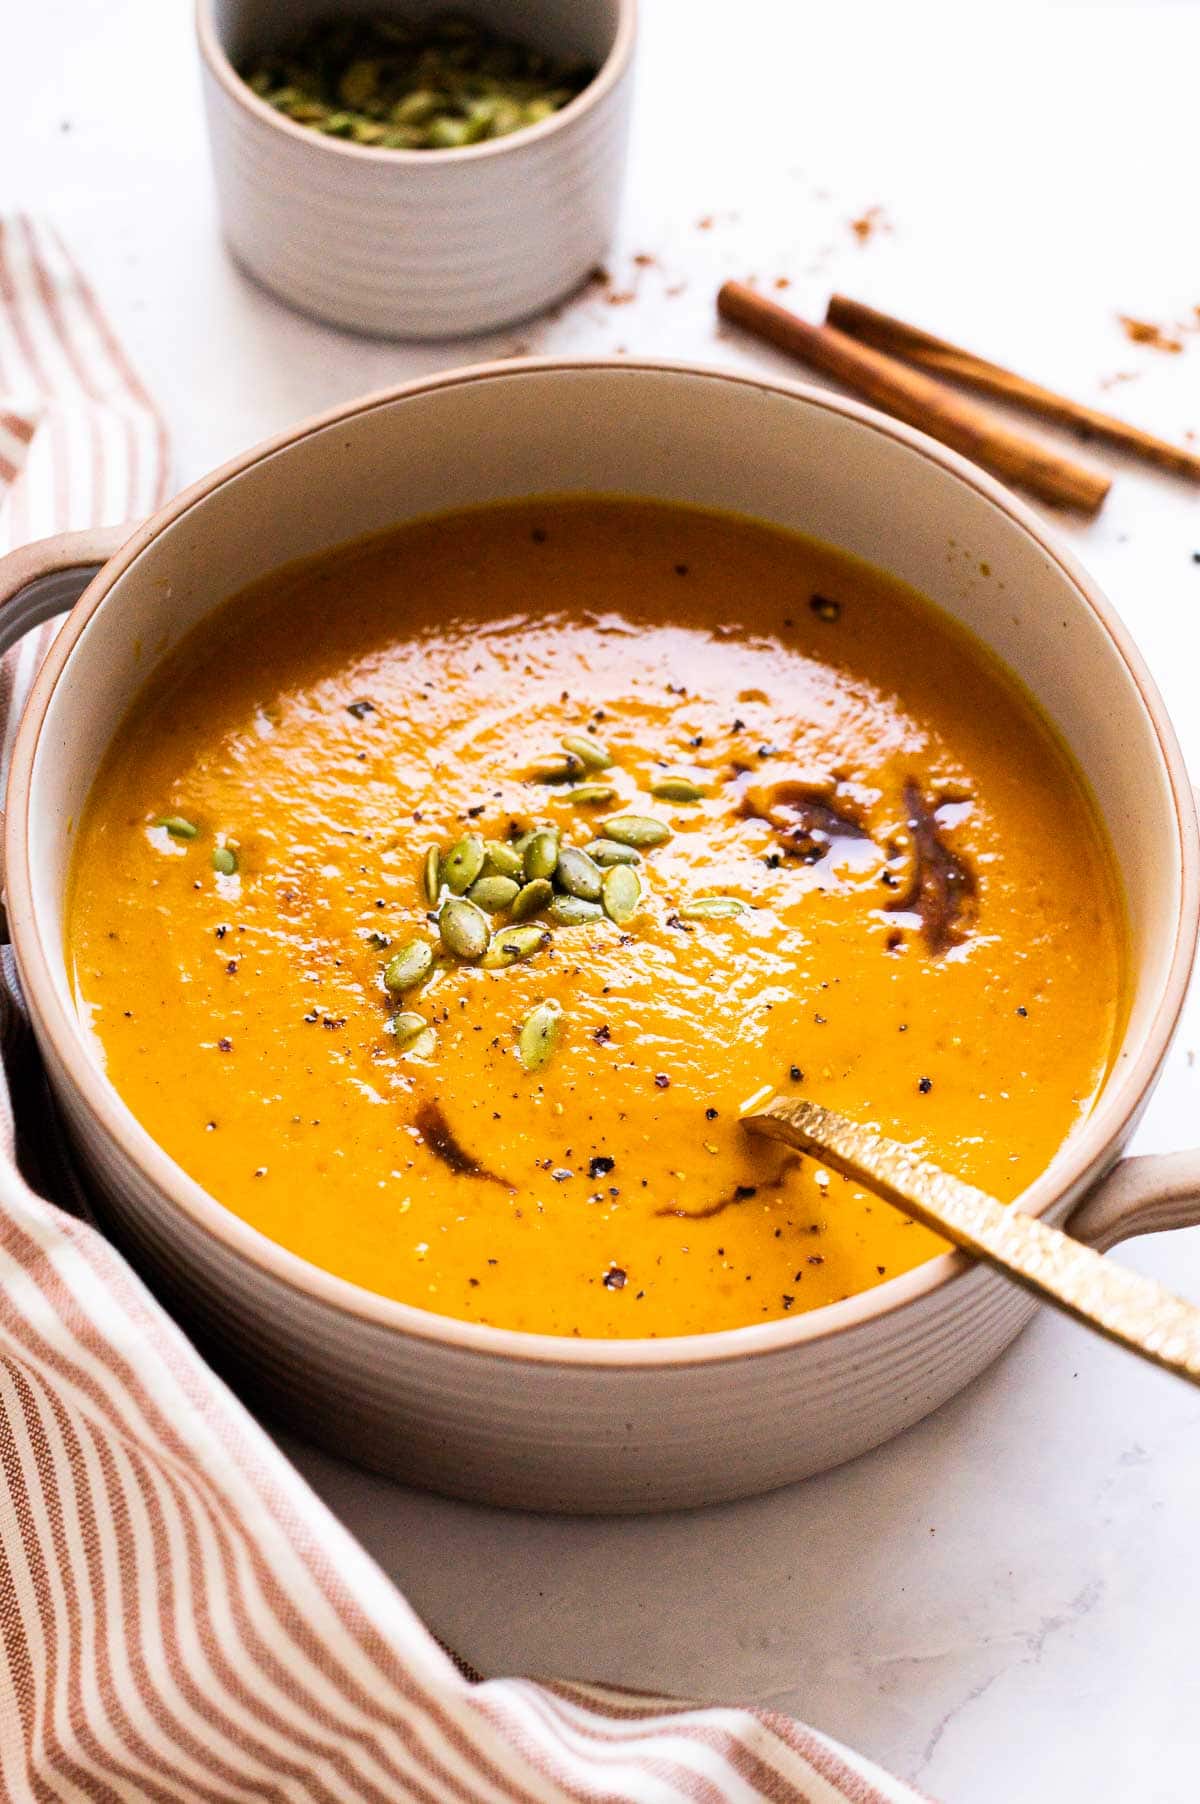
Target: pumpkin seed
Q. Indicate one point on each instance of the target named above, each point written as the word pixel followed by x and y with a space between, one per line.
pixel 406 1027
pixel 447 134
pixel 573 911
pixel 493 894
pixel 591 795
pixel 713 908
pixel 677 789
pixel 532 899
pixel 541 854
pixel 622 893
pixel 607 851
pixel 576 873
pixel 512 944
pixel 500 860
pixel 566 772
pixel 464 929
pixel 177 826
pixel 408 967
pixel 431 876
pixel 590 753
pixel 539 1035
pixel 637 830
pixel 417 108
pixel 224 860
pixel 463 863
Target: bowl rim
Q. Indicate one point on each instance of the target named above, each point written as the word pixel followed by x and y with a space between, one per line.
pixel 606 78
pixel 1084 1157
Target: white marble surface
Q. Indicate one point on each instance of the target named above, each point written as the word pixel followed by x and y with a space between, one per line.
pixel 1003 1603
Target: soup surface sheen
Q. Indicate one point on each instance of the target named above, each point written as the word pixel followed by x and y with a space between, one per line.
pixel 934 941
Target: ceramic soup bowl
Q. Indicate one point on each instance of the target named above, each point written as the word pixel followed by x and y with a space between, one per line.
pixel 522 1419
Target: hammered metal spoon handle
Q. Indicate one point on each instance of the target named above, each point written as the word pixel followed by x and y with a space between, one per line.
pixel 1136 1312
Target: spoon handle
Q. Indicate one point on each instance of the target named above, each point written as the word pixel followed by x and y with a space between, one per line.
pixel 1134 1311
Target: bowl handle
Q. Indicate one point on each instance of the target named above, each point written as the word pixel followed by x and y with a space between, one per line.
pixel 49 576
pixel 1143 1195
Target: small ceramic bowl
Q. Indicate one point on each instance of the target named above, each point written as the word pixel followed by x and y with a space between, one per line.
pixel 536 1420
pixel 420 243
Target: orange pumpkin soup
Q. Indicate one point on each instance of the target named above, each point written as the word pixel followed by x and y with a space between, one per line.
pixel 443 901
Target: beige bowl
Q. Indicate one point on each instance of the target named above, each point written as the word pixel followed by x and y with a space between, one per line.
pixel 525 1419
pixel 420 243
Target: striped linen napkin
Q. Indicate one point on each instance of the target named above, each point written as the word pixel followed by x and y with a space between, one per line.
pixel 181 1618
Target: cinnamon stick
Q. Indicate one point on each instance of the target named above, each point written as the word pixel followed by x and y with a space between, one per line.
pixel 909 342
pixel 920 401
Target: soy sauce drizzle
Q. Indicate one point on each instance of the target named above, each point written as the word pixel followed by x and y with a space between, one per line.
pixel 443 1143
pixel 807 822
pixel 942 889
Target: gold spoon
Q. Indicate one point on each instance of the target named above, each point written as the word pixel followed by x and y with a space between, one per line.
pixel 1136 1312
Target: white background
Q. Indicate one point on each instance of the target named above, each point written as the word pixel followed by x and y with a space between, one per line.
pixel 1003 1604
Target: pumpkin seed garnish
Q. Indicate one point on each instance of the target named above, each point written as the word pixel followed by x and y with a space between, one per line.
pixel 408 967
pixel 590 753
pixel 677 789
pixel 539 1035
pixel 500 860
pixel 224 861
pixel 406 1027
pixel 608 851
pixel 463 863
pixel 493 894
pixel 556 776
pixel 512 944
pixel 541 854
pixel 637 830
pixel 591 795
pixel 574 911
pixel 177 826
pixel 713 908
pixel 532 899
pixel 431 876
pixel 622 893
pixel 576 873
pixel 464 929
